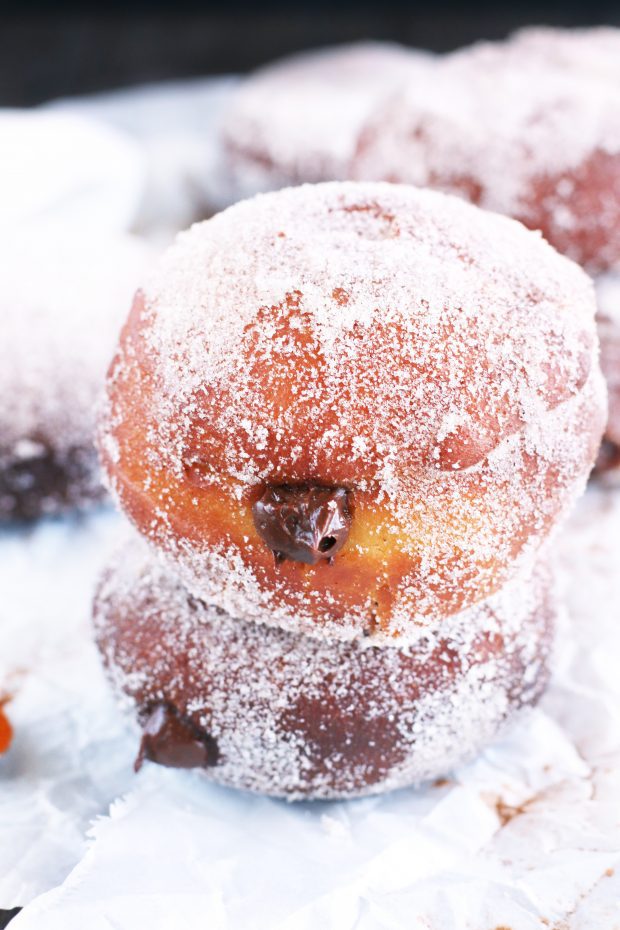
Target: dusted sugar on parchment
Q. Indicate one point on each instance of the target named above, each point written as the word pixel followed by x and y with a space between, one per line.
pixel 70 171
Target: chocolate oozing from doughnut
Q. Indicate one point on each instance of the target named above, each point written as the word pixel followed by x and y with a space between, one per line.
pixel 172 740
pixel 305 524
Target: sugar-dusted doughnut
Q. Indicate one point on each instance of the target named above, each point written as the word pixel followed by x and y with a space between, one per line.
pixel 299 119
pixel 515 134
pixel 353 408
pixel 63 298
pixel 296 716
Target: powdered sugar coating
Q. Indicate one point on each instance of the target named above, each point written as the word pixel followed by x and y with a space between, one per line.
pixel 594 51
pixel 510 131
pixel 63 298
pixel 299 119
pixel 439 362
pixel 299 717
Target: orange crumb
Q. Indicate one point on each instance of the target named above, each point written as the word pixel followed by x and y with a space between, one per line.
pixel 6 732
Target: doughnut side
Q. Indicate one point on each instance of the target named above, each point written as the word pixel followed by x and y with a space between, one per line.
pixel 402 567
pixel 296 717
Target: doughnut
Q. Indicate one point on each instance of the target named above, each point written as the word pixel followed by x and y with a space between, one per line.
pixel 284 714
pixel 353 409
pixel 608 319
pixel 67 169
pixel 63 298
pixel 513 134
pixel 298 120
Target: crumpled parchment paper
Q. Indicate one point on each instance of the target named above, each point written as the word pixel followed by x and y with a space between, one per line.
pixel 526 837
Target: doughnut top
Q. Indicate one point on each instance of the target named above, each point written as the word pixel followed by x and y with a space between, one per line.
pixel 351 335
pixel 299 119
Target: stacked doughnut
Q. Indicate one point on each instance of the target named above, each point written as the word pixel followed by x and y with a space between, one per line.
pixel 346 419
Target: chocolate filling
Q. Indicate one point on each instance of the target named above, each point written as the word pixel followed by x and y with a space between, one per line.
pixel 170 739
pixel 305 524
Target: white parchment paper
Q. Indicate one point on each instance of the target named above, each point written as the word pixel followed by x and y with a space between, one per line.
pixel 526 837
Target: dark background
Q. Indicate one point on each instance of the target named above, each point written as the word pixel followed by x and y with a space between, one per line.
pixel 48 51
